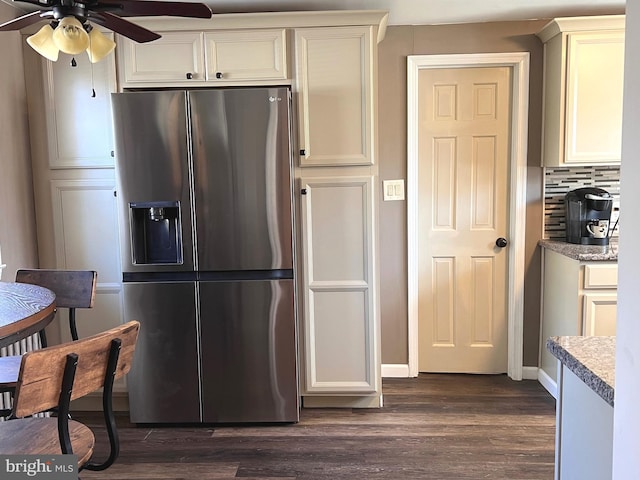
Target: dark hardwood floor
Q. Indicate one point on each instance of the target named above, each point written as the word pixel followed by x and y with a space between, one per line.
pixel 431 427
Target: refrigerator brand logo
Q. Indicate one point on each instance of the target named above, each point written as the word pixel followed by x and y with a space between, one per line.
pixel 51 467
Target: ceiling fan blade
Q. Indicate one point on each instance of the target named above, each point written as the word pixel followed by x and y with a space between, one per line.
pixel 123 27
pixel 23 21
pixel 155 8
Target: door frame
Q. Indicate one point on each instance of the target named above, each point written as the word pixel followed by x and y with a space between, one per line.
pixel 519 64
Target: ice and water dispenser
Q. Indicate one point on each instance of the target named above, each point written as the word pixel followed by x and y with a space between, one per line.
pixel 156 233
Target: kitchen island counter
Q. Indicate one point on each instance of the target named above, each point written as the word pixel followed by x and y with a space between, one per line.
pixel 584 406
pixel 591 359
pixel 584 253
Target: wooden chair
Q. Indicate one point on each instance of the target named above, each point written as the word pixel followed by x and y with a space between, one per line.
pixel 50 378
pixel 73 289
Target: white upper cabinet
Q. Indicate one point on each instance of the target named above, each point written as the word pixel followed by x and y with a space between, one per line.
pixel 335 95
pixel 583 78
pixel 246 55
pixel 78 112
pixel 176 57
pixel 211 57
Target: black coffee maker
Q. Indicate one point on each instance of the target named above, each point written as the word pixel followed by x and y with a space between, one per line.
pixel 588 211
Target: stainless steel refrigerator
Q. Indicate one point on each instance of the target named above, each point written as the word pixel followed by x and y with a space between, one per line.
pixel 204 193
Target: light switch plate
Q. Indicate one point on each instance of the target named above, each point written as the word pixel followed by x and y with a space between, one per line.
pixel 393 190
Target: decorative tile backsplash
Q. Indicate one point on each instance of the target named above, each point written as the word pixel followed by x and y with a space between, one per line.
pixel 561 180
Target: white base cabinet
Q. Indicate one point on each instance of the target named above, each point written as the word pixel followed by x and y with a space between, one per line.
pixel 339 286
pixel 584 431
pixel 579 298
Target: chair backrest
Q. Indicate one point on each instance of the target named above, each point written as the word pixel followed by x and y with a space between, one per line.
pixel 73 288
pixel 42 371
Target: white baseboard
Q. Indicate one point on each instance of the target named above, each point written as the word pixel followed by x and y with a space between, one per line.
pixel 529 373
pixel 399 370
pixel 548 383
pixel 395 370
pixel 371 401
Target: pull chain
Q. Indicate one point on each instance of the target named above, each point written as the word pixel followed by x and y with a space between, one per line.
pixel 93 90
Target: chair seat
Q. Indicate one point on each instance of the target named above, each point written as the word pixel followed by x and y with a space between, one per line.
pixel 9 368
pixel 39 436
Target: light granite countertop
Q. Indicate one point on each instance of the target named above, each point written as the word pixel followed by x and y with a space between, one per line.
pixel 584 253
pixel 591 359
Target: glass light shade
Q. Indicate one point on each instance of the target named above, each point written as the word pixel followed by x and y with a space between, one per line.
pixel 99 45
pixel 70 37
pixel 42 42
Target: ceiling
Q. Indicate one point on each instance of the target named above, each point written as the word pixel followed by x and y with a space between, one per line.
pixel 419 12
pixel 413 12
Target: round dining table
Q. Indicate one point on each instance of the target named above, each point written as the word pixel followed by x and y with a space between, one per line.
pixel 24 310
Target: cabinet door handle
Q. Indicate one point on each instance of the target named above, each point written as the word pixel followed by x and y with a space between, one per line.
pixel 189 76
pixel 303 152
pixel 303 191
pixel 218 74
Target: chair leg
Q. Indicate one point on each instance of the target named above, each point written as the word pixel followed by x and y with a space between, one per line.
pixel 72 324
pixel 107 407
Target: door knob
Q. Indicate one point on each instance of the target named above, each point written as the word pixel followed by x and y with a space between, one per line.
pixel 501 242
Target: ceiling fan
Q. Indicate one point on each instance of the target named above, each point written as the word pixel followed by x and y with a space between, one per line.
pixel 70 29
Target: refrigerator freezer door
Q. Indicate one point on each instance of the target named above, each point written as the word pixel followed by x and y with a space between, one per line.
pixel 242 165
pixel 248 352
pixel 164 383
pixel 152 151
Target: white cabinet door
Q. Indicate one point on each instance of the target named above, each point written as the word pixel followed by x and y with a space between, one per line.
pixel 78 111
pixel 340 309
pixel 600 311
pixel 176 57
pixel 246 55
pixel 583 77
pixel 335 95
pixel 594 97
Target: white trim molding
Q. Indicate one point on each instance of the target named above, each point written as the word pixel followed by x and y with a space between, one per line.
pixel 529 373
pixel 395 370
pixel 519 63
pixel 548 383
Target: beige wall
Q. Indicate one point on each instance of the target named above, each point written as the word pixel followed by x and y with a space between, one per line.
pixel 17 225
pixel 399 42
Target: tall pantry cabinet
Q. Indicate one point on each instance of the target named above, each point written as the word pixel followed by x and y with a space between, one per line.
pixel 337 172
pixel 329 61
pixel 74 182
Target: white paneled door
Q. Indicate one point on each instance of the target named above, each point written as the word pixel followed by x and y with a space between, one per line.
pixel 463 178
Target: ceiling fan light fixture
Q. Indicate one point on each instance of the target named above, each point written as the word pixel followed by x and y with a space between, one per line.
pixel 99 45
pixel 42 42
pixel 70 36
